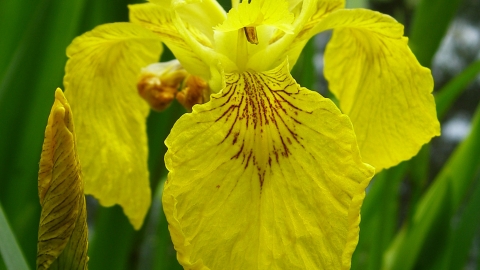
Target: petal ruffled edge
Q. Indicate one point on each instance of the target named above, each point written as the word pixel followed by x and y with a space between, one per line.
pixel 380 85
pixel 198 157
pixel 100 81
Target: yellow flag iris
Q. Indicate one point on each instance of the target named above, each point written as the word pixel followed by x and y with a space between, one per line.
pixel 266 174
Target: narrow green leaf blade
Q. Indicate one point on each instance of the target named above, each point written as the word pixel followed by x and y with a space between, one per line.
pixel 462 235
pixel 379 218
pixel 9 249
pixel 429 25
pixel 33 73
pixel 423 240
pixel 446 96
pixel 112 240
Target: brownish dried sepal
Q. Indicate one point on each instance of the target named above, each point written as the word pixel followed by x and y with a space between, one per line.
pixel 195 91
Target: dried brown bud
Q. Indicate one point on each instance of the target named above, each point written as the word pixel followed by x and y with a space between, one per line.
pixel 157 95
pixel 159 82
pixel 195 91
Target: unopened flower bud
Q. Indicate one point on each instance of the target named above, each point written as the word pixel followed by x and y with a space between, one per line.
pixel 195 91
pixel 158 83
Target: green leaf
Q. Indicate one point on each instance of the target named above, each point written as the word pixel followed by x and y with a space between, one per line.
pixel 380 213
pixel 304 69
pixel 158 128
pixel 421 242
pixel 31 77
pixel 429 25
pixel 357 3
pixel 9 249
pixel 446 96
pixel 419 173
pixel 111 241
pixel 463 232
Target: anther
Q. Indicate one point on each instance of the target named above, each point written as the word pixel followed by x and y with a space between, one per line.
pixel 251 34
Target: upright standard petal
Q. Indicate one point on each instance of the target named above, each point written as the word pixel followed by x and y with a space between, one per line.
pixel 247 31
pixel 204 14
pixel 101 77
pixel 282 45
pixel 63 232
pixel 256 13
pixel 161 21
pixel 380 85
pixel 267 175
pixel 184 37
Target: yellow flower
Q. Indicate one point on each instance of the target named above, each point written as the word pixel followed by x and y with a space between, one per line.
pixel 266 174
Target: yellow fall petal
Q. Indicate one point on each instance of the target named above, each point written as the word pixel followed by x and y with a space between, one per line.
pixel 63 233
pixel 101 77
pixel 267 175
pixel 380 85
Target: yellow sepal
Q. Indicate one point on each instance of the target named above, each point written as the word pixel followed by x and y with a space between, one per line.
pixel 267 175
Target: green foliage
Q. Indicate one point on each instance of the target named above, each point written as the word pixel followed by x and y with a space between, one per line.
pixel 429 25
pixel 426 240
pixel 9 249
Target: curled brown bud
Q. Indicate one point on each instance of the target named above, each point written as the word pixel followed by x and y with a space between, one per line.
pixel 195 91
pixel 157 95
pixel 158 83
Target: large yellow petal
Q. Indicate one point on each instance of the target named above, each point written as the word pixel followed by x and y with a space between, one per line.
pixel 63 232
pixel 267 175
pixel 100 81
pixel 380 85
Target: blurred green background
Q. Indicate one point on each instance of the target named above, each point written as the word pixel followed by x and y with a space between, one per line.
pixel 422 214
